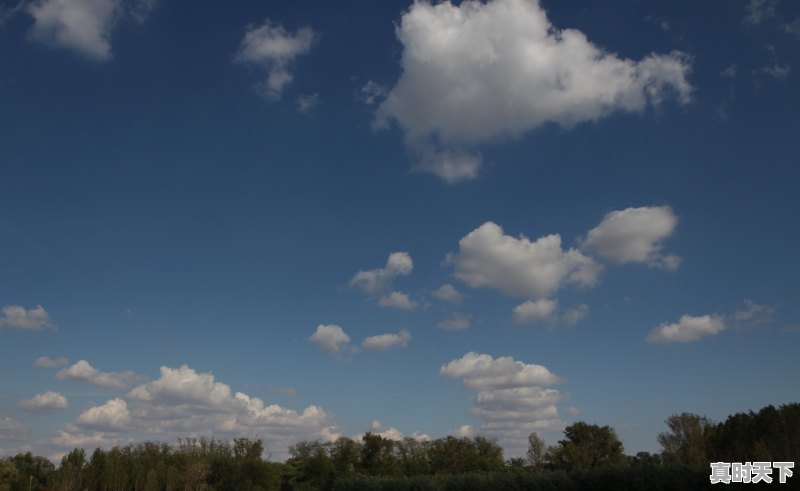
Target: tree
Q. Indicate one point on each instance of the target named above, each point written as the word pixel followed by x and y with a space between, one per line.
pixel 687 439
pixel 536 450
pixel 587 447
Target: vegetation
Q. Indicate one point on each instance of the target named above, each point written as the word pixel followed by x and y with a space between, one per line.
pixel 589 457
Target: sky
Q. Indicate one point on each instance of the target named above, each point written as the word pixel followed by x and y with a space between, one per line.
pixel 304 220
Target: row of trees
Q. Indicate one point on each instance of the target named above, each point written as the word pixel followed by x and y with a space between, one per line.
pixel 588 456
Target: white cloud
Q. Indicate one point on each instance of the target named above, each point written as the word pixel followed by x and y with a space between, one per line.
pixel 688 329
pixel 378 281
pixel 83 26
pixel 634 235
pixel 84 372
pixel 111 416
pixel 272 48
pixel 306 103
pixel 330 338
pixel 397 300
pixel 519 267
pixel 17 317
pixel 510 397
pixel 74 439
pixel 573 411
pixel 392 433
pixel 575 314
pixel 449 293
pixel 46 362
pixel 534 311
pixel 386 341
pixel 479 72
pixel 182 401
pixel 13 430
pixel 456 322
pixel 480 371
pixel 46 401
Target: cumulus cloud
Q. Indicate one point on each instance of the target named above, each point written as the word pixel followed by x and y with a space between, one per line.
pixel 83 26
pixel 518 266
pixel 82 371
pixel 479 72
pixel 271 47
pixel 532 311
pixel 13 430
pixel 449 293
pixel 111 416
pixel 183 401
pixel 46 362
pixel 330 338
pixel 45 402
pixel 17 317
pixel 456 322
pixel 386 341
pixel 378 281
pixel 634 235
pixel 511 397
pixel 687 329
pixel 397 300
pixel 480 371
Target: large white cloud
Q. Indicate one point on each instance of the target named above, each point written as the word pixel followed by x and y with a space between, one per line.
pixel 481 371
pixel 111 416
pixel 18 317
pixel 84 372
pixel 687 329
pixel 511 397
pixel 44 402
pixel 271 47
pixel 518 266
pixel 330 338
pixel 386 341
pixel 479 72
pixel 183 402
pixel 634 235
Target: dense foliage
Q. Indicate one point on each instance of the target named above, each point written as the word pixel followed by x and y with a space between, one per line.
pixel 589 457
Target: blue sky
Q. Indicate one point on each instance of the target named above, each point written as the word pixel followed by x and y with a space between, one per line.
pixel 299 221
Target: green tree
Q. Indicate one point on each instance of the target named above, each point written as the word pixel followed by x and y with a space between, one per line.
pixel 687 439
pixel 587 447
